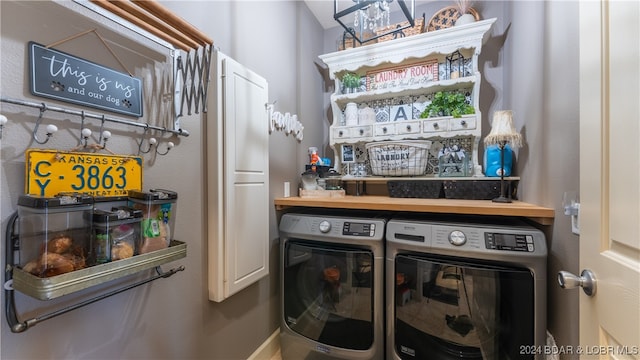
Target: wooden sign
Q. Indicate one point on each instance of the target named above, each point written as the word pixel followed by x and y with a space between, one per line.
pixel 58 75
pixel 403 76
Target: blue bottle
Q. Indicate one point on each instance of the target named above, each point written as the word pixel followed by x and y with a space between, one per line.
pixel 492 160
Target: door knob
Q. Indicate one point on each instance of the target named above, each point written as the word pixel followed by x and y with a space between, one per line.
pixel 586 280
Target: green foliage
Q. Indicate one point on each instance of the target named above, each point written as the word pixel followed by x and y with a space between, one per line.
pixel 447 103
pixel 351 80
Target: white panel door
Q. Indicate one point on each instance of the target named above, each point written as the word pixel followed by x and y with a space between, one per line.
pixel 246 176
pixel 237 164
pixel 610 177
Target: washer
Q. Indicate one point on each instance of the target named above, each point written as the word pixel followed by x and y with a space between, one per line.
pixel 332 289
pixel 464 289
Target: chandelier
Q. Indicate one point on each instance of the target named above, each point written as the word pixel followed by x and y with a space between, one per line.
pixel 372 18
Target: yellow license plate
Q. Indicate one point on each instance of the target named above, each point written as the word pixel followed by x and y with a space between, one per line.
pixel 50 172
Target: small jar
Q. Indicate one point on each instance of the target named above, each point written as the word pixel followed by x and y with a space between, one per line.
pixel 322 184
pixel 309 180
pixel 333 180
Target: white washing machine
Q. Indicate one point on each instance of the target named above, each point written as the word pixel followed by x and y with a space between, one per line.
pixel 332 287
pixel 464 289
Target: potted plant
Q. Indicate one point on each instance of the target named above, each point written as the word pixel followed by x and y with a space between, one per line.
pixel 447 103
pixel 351 81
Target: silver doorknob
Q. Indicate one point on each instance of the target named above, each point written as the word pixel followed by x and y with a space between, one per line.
pixel 586 280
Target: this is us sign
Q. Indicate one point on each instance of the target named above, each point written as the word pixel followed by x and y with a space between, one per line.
pixel 58 75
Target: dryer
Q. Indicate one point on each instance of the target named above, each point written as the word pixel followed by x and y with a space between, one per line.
pixel 331 276
pixel 466 289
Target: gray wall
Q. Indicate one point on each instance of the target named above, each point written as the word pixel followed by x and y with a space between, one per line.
pixel 529 65
pixel 169 318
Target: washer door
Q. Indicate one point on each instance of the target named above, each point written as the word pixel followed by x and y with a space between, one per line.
pixel 328 293
pixel 450 308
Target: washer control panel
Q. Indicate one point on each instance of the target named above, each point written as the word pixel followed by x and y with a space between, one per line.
pixel 509 242
pixel 358 229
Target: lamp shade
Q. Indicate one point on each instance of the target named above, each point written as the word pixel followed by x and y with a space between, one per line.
pixel 502 130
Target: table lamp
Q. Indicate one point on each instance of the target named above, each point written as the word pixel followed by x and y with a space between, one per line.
pixel 503 132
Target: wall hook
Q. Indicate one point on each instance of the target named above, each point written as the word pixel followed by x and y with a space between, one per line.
pixel 3 121
pixel 101 130
pixel 84 132
pixel 85 136
pixel 51 129
pixel 170 146
pixel 152 142
pixel 104 135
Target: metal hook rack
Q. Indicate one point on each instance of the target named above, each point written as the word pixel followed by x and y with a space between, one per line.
pixel 44 107
pixel 11 312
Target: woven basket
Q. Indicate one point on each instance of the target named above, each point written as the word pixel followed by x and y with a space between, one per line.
pixel 416 29
pixel 348 42
pixel 447 17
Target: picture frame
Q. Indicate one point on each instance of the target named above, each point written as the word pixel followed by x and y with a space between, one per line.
pixel 348 154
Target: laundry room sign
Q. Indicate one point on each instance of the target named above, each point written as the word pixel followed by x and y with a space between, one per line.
pixel 61 76
pixel 403 76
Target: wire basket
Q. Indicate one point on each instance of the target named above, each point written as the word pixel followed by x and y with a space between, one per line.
pixel 399 158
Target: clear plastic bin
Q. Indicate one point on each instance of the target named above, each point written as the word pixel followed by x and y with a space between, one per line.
pixel 109 202
pixel 158 217
pixel 115 234
pixel 54 233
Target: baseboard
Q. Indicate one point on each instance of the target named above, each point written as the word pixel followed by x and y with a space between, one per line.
pixel 268 348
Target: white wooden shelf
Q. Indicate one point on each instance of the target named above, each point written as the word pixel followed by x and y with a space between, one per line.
pixel 443 85
pixel 404 53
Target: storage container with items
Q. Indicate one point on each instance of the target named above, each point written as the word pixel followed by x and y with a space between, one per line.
pixel 54 233
pixel 158 217
pixel 66 244
pixel 115 234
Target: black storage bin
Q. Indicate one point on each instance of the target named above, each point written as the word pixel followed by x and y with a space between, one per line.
pixel 425 189
pixel 478 189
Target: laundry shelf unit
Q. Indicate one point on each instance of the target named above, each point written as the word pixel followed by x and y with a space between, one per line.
pixel 400 55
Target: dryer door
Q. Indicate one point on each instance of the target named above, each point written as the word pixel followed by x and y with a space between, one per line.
pixel 328 293
pixel 450 308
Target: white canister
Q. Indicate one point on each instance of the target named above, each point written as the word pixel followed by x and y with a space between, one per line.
pixel 366 116
pixel 351 114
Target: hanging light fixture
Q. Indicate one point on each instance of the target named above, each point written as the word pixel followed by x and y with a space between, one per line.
pixel 364 19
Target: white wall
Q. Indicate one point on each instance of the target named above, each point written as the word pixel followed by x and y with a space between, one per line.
pixel 169 318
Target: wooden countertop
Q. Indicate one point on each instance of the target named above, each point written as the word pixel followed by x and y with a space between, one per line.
pixel 539 214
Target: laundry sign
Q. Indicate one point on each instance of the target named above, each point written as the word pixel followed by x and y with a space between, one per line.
pixel 61 76
pixel 403 76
